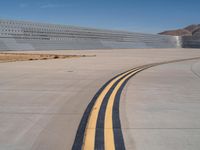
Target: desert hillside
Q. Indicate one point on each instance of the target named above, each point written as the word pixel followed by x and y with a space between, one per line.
pixel 192 30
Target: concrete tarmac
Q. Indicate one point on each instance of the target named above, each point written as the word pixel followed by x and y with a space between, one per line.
pixel 164 103
pixel 42 102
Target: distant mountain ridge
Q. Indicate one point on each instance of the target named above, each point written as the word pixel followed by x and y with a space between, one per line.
pixel 192 30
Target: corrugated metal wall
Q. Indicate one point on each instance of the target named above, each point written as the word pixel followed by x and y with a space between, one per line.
pixel 191 42
pixel 22 35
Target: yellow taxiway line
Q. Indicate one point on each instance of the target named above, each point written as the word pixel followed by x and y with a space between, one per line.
pixel 108 129
pixel 108 96
pixel 89 140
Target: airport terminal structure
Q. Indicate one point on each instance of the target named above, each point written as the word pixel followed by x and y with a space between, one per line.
pixel 24 35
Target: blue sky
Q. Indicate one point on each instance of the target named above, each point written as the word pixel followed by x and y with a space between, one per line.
pixel 150 16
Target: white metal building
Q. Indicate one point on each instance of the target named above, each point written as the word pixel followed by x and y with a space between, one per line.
pixel 24 35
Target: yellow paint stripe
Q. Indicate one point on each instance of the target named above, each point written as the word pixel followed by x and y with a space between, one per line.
pixel 89 139
pixel 108 129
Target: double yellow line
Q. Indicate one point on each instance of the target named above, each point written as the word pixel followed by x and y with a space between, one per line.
pixel 109 143
pixel 87 136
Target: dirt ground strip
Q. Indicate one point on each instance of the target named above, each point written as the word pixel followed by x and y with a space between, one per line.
pixel 10 57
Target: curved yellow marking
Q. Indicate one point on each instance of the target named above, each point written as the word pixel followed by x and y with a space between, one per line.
pixel 108 128
pixel 89 139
